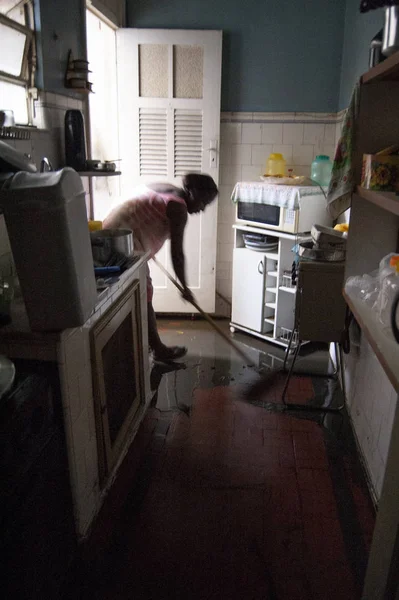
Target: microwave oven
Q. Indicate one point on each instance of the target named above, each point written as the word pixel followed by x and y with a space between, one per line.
pixel 313 211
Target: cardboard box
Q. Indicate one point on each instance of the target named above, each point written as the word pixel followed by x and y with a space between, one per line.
pixel 380 172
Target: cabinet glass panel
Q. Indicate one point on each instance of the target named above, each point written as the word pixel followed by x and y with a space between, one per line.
pixel 119 375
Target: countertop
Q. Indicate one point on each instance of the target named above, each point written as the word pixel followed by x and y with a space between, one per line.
pixel 19 330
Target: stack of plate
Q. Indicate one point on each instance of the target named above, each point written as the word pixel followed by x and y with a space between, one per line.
pixel 260 242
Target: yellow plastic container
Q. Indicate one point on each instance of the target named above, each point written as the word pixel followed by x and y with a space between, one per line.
pixel 95 225
pixel 344 227
pixel 275 166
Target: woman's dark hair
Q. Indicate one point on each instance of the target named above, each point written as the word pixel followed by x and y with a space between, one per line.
pixel 200 187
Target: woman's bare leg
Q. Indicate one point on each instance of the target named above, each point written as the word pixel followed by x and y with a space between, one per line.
pixel 160 351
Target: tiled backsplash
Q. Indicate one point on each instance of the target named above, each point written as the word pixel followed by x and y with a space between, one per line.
pixel 48 139
pixel 246 140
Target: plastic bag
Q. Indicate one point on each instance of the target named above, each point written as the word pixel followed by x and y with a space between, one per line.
pixel 364 287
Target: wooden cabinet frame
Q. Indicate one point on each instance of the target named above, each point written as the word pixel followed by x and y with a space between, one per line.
pixel 100 335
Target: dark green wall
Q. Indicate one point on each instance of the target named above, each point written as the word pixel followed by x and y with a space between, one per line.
pixel 278 55
pixel 359 31
pixel 60 26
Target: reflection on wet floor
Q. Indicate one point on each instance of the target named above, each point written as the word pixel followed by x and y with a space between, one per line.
pixel 232 497
pixel 211 362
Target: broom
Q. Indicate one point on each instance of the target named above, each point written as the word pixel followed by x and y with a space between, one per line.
pixel 266 381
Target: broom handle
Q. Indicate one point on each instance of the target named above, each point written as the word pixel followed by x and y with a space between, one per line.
pixel 220 331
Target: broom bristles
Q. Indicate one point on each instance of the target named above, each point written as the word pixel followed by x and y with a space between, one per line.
pixel 263 385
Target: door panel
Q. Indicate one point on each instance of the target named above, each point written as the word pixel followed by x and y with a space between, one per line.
pixel 169 109
pixel 248 288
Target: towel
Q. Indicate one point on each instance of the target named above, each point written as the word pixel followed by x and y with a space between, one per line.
pixel 342 182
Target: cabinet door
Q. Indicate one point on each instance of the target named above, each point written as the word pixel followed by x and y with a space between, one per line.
pixel 117 375
pixel 248 288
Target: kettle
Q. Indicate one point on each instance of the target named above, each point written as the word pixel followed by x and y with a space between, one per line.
pixel 395 329
pixel 390 41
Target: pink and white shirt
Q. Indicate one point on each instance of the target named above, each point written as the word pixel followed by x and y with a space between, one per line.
pixel 145 214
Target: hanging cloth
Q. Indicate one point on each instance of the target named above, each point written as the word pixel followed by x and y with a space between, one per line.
pixel 342 182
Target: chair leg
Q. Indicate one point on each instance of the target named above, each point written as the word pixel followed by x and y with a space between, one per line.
pixel 287 350
pixel 335 372
pixel 309 407
pixel 291 368
pixel 341 373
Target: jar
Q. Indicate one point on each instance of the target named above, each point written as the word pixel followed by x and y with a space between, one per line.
pixel 275 165
pixel 321 168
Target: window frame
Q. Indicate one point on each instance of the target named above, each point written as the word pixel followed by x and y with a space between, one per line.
pixel 26 76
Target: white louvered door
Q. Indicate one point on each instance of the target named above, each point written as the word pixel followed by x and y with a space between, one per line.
pixel 169 114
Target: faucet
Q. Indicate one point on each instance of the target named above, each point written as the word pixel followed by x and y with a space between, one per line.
pixel 45 165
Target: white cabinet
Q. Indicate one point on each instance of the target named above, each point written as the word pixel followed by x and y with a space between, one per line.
pixel 263 296
pixel 248 288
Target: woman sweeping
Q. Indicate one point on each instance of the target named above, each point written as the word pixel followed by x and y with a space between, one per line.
pixel 158 212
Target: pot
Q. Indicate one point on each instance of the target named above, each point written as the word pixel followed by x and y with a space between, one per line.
pixel 309 251
pixel 390 41
pixel 106 242
pixel 106 165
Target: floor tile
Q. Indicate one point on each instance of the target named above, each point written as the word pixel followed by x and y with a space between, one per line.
pixel 230 497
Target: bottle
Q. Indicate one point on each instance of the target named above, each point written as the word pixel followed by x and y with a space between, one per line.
pixel 321 168
pixel 388 291
pixel 275 166
pixel 95 225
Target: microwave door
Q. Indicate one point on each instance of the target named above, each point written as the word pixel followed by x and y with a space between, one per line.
pixel 254 212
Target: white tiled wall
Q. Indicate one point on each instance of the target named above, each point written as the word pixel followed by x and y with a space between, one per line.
pixel 247 139
pixel 48 139
pixel 372 403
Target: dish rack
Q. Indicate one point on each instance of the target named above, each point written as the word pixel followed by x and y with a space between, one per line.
pixel 285 335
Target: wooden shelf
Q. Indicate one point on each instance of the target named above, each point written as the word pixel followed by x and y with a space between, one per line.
pixel 272 273
pixel 99 173
pixel 272 290
pixel 386 349
pixel 388 70
pixel 386 200
pixel 271 256
pixel 269 320
pixel 283 288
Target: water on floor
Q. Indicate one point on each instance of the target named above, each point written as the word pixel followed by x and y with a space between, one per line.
pixel 232 496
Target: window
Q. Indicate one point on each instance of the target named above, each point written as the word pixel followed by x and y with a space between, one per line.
pixel 17 59
pixel 103 106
